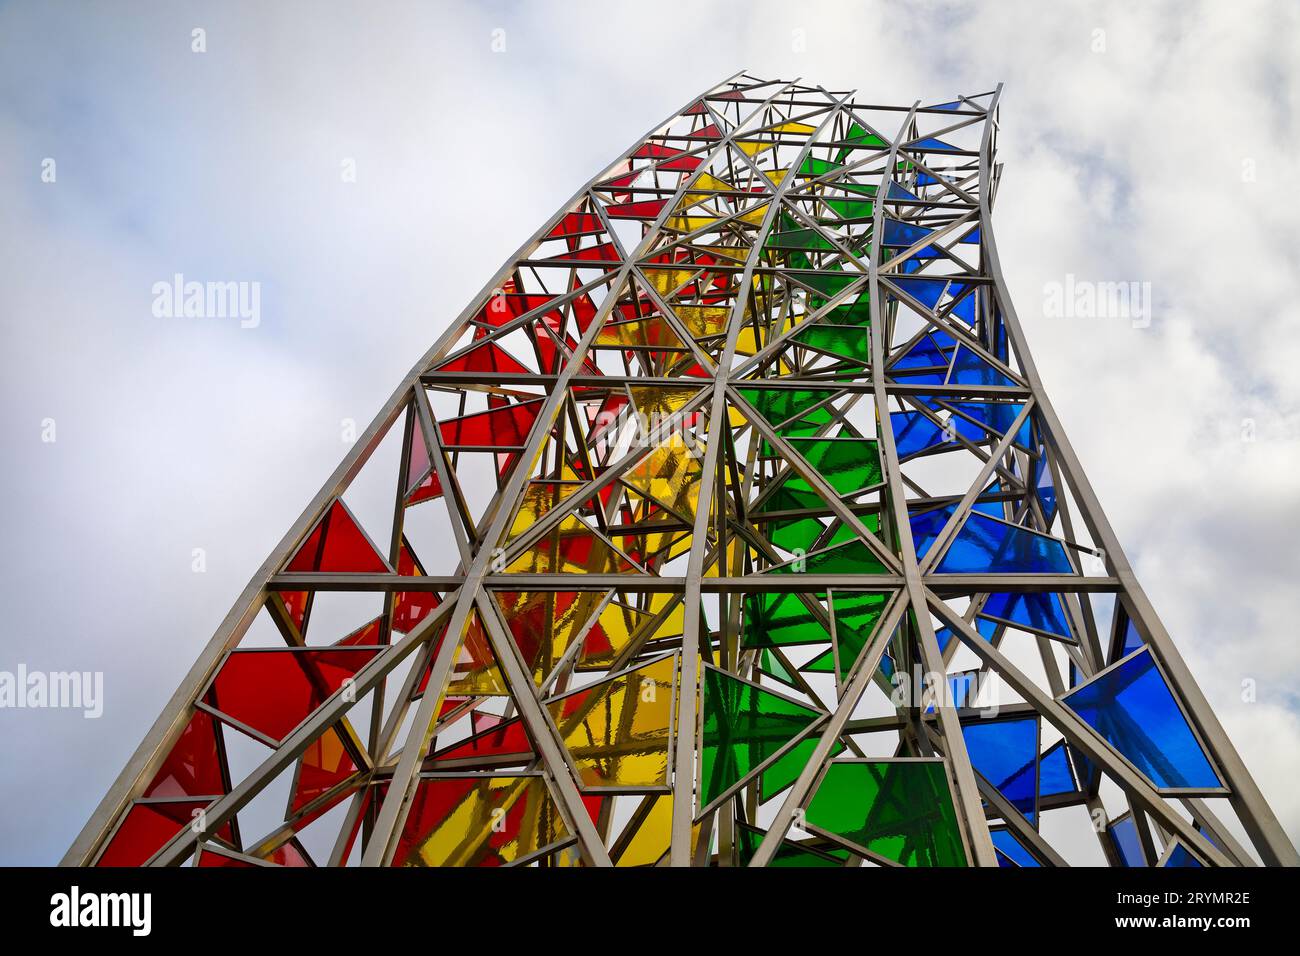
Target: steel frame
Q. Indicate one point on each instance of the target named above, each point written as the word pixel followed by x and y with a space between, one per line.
pixel 712 275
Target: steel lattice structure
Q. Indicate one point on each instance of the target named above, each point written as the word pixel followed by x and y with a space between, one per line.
pixel 743 444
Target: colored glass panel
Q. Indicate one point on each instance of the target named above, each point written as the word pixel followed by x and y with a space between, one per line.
pixel 743 726
pixel 898 809
pixel 617 730
pixel 1131 706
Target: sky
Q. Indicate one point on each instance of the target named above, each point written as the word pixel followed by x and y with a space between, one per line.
pixel 1153 143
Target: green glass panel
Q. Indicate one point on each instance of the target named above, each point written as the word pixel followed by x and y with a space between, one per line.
pixel 861 138
pixel 847 464
pixel 785 769
pixel 852 342
pixel 788 853
pixel 780 620
pixel 823 663
pixel 743 726
pixel 799 239
pixel 862 189
pixel 851 208
pixel 851 313
pixel 811 166
pixel 777 405
pixel 828 283
pixel 799 533
pixel 771 664
pixel 901 810
pixel 856 615
pixel 852 557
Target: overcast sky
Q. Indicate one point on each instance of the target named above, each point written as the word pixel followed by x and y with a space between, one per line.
pixel 1156 144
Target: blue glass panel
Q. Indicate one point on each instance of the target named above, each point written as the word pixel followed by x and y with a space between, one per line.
pixel 1045 487
pixel 1181 857
pixel 1124 835
pixel 985 545
pixel 970 369
pixel 965 309
pixel 1132 708
pixel 913 432
pixel 1004 752
pixel 972 237
pixel 925 291
pixel 926 527
pixel 887 664
pixel 898 192
pixel 932 145
pixel 1132 640
pixel 1006 844
pixel 999 416
pixel 1054 773
pixel 928 351
pixel 954 105
pixel 901 235
pixel 1037 610
pixel 945 637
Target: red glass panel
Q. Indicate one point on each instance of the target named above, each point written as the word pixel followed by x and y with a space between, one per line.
pixel 193 768
pixel 367 635
pixel 274 691
pixel 506 427
pixel 488 357
pixel 337 545
pixel 288 855
pixel 411 607
pixel 324 765
pixel 147 826
pixel 605 252
pixel 687 164
pixel 576 223
pixel 507 739
pixel 295 602
pixel 656 151
pixel 429 488
pixel 648 209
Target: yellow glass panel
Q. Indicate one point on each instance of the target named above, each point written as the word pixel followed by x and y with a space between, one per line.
pixel 652 331
pixel 666 281
pixel 572 547
pixel 690 223
pixel 753 146
pixel 539 497
pixel 480 822
pixel 670 473
pixel 704 320
pixel 793 127
pixel 654 400
pixel 653 838
pixel 474 672
pixel 617 731
pixel 747 342
pixel 545 623
pixel 620 624
pixel 755 216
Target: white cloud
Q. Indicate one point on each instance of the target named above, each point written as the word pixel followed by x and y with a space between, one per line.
pixel 1120 164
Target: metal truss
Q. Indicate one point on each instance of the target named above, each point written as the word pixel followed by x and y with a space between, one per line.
pixel 743 445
